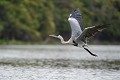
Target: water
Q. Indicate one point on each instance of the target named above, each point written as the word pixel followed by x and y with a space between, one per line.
pixel 59 62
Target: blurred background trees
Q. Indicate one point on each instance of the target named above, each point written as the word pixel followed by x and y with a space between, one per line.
pixel 34 20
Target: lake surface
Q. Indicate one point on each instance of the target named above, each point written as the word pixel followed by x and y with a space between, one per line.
pixel 59 62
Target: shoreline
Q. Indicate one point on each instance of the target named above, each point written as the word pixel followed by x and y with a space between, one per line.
pixel 15 42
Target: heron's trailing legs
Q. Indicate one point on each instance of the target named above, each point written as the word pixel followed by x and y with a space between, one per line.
pixel 89 51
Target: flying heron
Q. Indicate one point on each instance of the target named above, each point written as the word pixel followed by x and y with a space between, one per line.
pixel 79 35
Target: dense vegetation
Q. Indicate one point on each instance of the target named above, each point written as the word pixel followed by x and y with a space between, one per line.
pixel 34 20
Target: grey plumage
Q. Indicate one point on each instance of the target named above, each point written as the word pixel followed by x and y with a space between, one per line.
pixel 77 15
pixel 75 20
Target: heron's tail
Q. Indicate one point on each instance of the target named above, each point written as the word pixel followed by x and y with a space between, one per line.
pixel 89 51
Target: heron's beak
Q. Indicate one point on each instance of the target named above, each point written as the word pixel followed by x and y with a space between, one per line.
pixel 53 36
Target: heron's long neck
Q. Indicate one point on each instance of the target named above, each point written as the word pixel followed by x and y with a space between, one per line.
pixel 62 41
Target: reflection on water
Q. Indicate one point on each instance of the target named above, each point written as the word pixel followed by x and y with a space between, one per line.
pixel 58 62
pixel 63 63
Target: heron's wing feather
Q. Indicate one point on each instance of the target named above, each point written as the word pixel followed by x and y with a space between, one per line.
pixel 91 31
pixel 75 20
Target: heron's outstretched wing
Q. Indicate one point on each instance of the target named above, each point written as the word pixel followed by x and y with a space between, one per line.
pixel 75 20
pixel 91 31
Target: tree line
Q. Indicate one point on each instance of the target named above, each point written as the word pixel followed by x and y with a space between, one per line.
pixel 34 20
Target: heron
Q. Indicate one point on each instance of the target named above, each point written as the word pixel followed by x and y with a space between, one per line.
pixel 79 36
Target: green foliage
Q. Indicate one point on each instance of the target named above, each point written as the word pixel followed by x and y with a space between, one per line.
pixel 34 20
